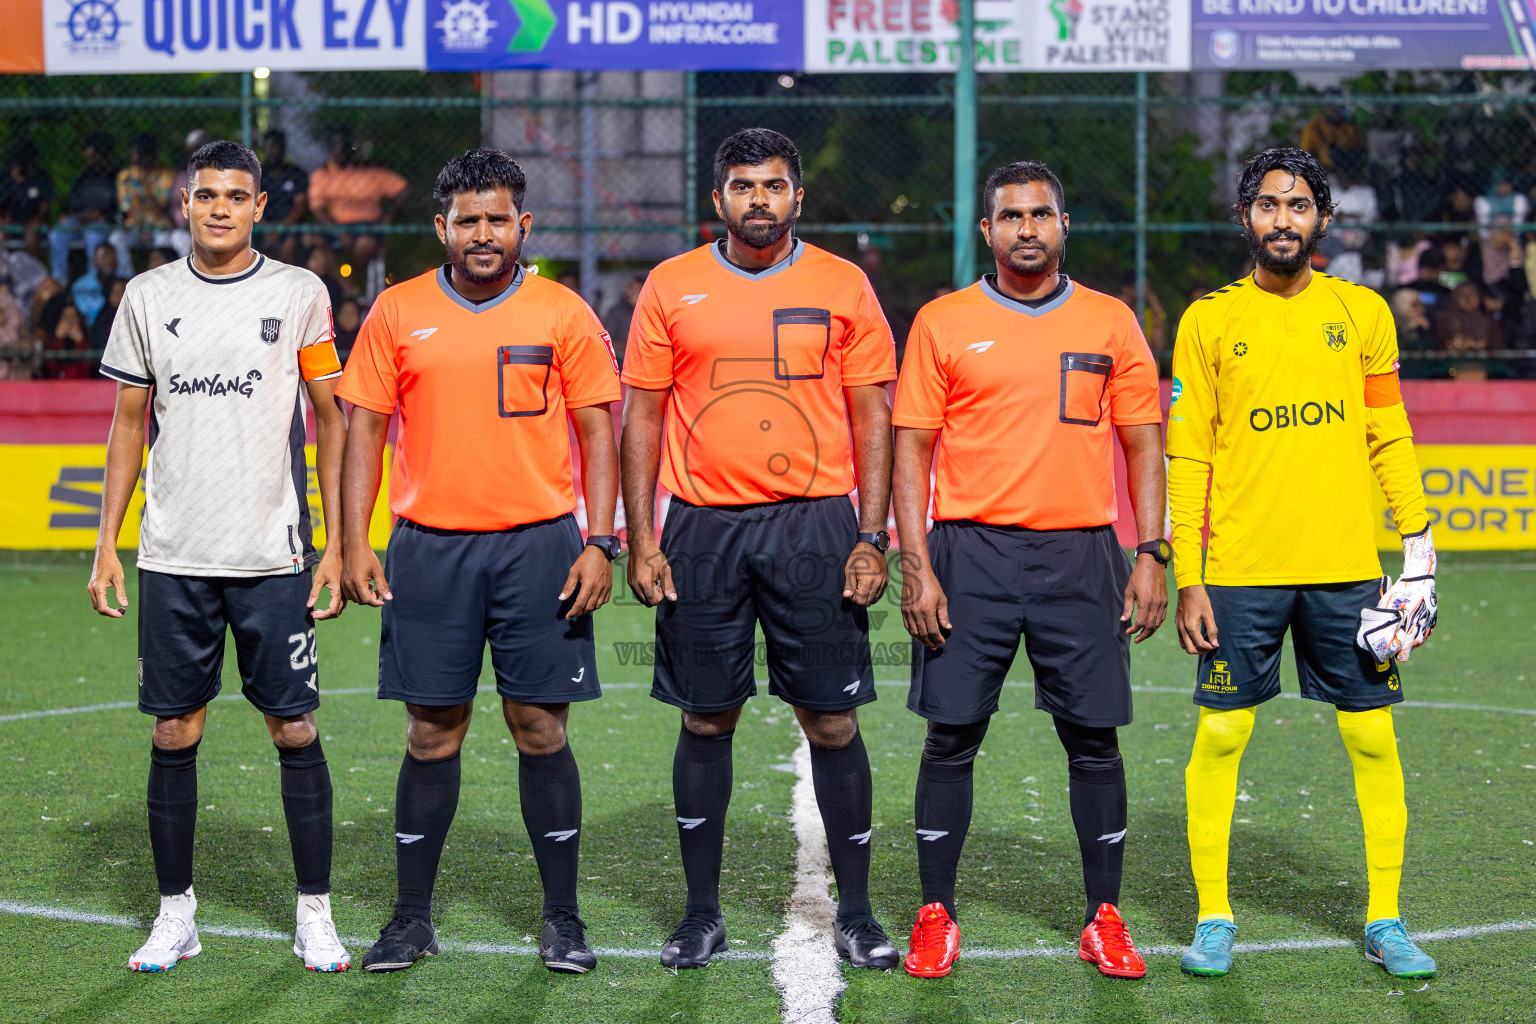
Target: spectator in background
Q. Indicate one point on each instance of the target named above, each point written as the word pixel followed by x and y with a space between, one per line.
pixel 1355 208
pixel 1415 335
pixel 1337 144
pixel 101 329
pixel 89 291
pixel 344 192
pixel 1414 332
pixel 89 208
pixel 1432 293
pixel 15 337
pixel 1403 259
pixel 1501 203
pixel 1465 327
pixel 322 263
pixel 25 272
pixel 349 320
pixel 570 279
pixel 617 319
pixel 1414 195
pixel 160 257
pixel 287 188
pixel 1458 208
pixel 144 201
pixel 26 192
pixel 1462 260
pixel 62 331
pixel 41 296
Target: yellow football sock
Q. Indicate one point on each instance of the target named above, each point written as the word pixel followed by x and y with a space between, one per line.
pixel 1210 792
pixel 1372 747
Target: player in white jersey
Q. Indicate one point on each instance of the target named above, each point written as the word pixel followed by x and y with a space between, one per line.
pixel 222 341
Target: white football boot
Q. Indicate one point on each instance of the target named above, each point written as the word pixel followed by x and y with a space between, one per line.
pixel 172 938
pixel 315 938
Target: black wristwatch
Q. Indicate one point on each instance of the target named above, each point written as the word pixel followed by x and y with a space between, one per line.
pixel 1158 549
pixel 608 544
pixel 881 540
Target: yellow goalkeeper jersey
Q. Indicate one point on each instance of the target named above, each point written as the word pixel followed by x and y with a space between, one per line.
pixel 1286 406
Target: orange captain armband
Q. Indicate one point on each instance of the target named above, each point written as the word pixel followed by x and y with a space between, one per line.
pixel 1383 390
pixel 320 360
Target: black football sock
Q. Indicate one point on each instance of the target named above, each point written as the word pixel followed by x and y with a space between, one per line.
pixel 942 806
pixel 845 795
pixel 701 791
pixel 426 797
pixel 172 816
pixel 307 806
pixel 1096 778
pixel 549 786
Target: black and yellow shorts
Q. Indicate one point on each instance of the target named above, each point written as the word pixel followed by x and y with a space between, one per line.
pixel 1323 619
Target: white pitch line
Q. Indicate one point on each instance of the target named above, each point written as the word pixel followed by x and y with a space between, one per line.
pixel 806 970
pixel 1011 684
pixel 1029 952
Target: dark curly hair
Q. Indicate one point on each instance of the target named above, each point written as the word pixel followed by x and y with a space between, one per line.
pixel 480 170
pixel 1296 162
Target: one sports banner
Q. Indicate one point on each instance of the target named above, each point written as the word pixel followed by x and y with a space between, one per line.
pixel 1480 497
pixel 1011 35
pixel 96 37
pixel 603 35
pixel 1357 35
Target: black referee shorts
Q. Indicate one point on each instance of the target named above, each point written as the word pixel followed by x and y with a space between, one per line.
pixel 1062 590
pixel 456 590
pixel 779 564
pixel 1251 623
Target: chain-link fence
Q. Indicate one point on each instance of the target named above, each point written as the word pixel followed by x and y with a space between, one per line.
pixel 1435 175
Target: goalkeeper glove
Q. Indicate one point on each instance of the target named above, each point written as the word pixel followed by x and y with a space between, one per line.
pixel 1407 612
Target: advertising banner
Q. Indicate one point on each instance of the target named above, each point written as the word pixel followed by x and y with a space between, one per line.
pixel 1011 35
pixel 98 37
pixel 615 35
pixel 1404 35
pixel 52 498
pixel 1481 497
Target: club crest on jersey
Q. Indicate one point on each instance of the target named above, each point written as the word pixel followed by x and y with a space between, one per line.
pixel 1336 337
pixel 269 328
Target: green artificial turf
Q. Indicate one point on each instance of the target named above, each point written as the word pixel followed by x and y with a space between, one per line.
pixel 74 838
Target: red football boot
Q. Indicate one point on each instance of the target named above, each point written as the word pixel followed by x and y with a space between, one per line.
pixel 935 943
pixel 1108 945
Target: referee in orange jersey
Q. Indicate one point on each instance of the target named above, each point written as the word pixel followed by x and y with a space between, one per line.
pixel 1018 384
pixel 485 365
pixel 768 359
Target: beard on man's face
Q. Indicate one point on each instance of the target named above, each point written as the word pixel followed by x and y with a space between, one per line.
pixel 1283 266
pixel 498 271
pixel 1048 260
pixel 758 228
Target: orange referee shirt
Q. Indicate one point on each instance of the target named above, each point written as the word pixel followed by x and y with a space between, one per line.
pixel 482 392
pixel 1024 399
pixel 757 363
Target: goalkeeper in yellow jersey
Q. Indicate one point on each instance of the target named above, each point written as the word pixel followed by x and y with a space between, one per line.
pixel 1286 401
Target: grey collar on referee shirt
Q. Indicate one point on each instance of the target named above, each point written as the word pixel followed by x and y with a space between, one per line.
pixel 796 251
pixel 990 291
pixel 480 307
